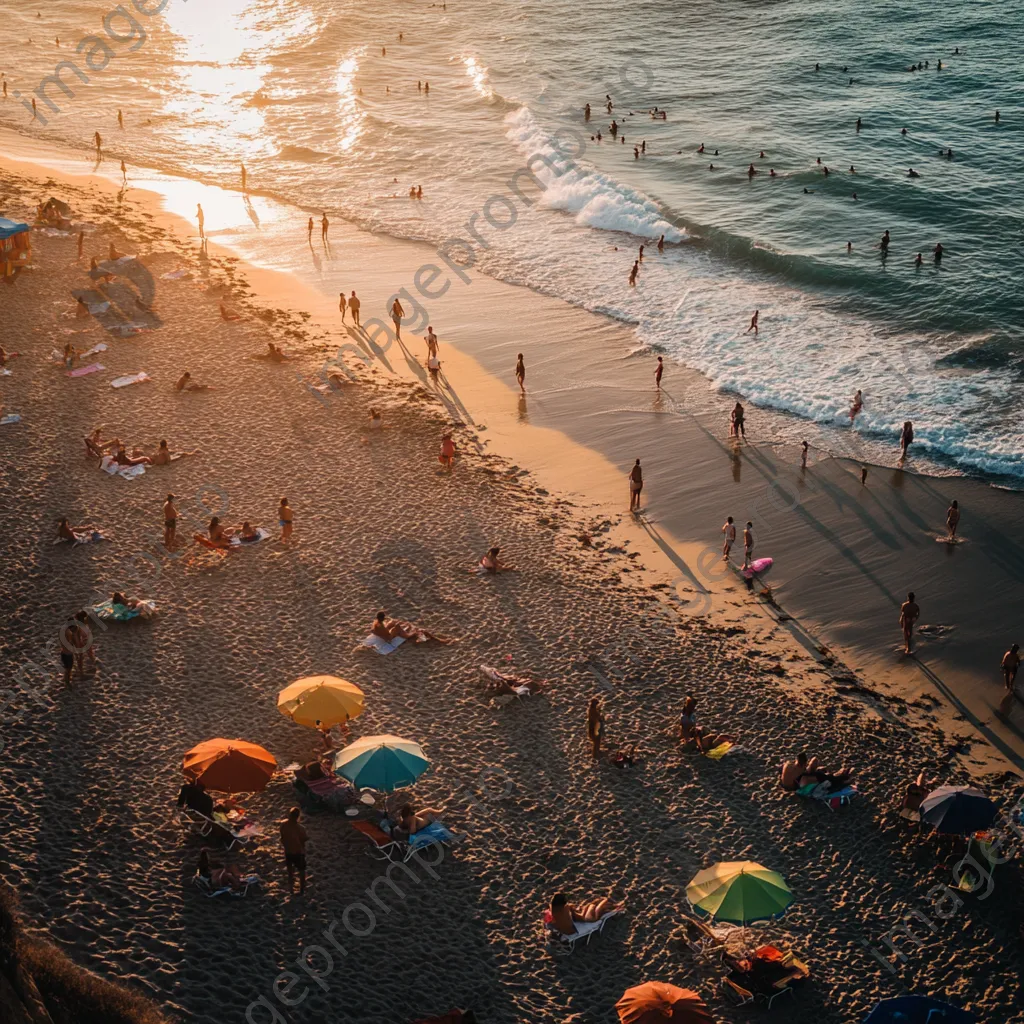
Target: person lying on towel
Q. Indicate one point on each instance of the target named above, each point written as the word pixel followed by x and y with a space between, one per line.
pixel 564 914
pixel 390 629
pixel 801 772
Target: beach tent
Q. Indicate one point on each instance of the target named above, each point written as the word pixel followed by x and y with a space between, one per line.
pixel 15 247
pixel 739 892
pixel 655 1002
pixel 918 1010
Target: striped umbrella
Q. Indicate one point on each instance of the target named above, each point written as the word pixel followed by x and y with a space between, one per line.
pixel 739 892
pixel 383 763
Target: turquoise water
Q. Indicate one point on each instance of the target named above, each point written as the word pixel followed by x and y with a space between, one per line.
pixel 276 84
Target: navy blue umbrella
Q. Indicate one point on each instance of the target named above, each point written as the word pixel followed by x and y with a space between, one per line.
pixel 958 810
pixel 918 1010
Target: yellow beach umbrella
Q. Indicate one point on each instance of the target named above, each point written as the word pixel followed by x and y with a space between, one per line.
pixel 326 699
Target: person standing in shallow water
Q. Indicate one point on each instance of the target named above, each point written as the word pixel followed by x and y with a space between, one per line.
pixel 521 373
pixel 636 485
pixel 909 614
pixel 953 519
pixel 753 322
pixel 658 372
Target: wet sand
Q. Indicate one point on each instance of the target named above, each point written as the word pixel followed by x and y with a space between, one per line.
pixel 90 775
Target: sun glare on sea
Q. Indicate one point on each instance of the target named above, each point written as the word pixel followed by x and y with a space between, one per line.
pixel 348 109
pixel 478 76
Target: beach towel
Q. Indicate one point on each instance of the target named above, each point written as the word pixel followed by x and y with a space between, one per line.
pixel 93 537
pixel 13 418
pixel 110 612
pixel 175 275
pixel 110 465
pixel 261 534
pixel 83 370
pixel 5 373
pixel 99 307
pixel 95 350
pixel 382 646
pixel 129 328
pixel 135 378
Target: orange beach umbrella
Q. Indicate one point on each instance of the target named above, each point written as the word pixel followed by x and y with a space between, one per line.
pixel 654 1002
pixel 231 766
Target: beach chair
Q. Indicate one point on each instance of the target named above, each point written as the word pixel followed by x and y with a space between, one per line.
pixel 832 799
pixel 701 941
pixel 199 823
pixel 208 889
pixel 565 944
pixel 382 846
pixel 735 993
pixel 434 834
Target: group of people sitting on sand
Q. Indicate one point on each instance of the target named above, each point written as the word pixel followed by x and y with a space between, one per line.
pixel 803 774
pixel 223 535
pixel 97 447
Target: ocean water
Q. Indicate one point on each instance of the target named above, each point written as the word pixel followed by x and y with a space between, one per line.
pixel 298 90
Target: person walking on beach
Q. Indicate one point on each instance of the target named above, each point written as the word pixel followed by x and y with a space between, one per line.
pixel 906 438
pixel 309 231
pixel 431 340
pixel 804 449
pixel 909 614
pixel 729 529
pixel 324 225
pixel 636 485
pixel 81 243
pixel 658 372
pixel 1010 664
pixel 748 543
pixel 737 427
pixel 952 519
pixel 97 140
pixel 521 373
pixel 294 839
pixel 353 305
pixel 396 317
pixel 341 295
pixel 753 319
pixel 201 217
pixel 243 177
pixel 170 522
pixel 124 173
pixel 284 519
pixel 661 244
pixel 595 725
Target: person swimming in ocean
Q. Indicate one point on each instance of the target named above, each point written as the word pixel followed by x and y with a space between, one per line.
pixel 884 243
pixel 937 252
pixel 858 124
pixel 633 273
pixel 701 148
pixel 751 171
pixel 918 260
pixel 911 173
pixel 771 172
pixel 856 405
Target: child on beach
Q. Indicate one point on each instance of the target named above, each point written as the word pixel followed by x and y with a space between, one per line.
pixel 447 456
pixel 492 563
pixel 729 529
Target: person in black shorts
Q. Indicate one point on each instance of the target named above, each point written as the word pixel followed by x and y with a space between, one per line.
pixel 294 839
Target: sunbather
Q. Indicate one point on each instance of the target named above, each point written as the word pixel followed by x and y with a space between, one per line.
pixel 219 534
pixel 248 533
pixel 164 457
pixel 376 423
pixel 913 797
pixel 564 914
pixel 499 683
pixel 218 875
pixel 69 533
pixel 122 458
pixel 95 445
pixel 411 820
pixel 492 563
pixel 390 629
pixel 185 384
pixel 801 772
pixel 704 740
pixel 229 314
pixel 117 598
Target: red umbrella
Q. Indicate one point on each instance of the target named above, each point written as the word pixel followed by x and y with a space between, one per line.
pixel 654 1002
pixel 231 766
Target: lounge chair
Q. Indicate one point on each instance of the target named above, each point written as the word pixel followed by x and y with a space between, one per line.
pixel 208 889
pixel 701 941
pixel 735 993
pixel 831 798
pixel 562 943
pixel 382 846
pixel 199 823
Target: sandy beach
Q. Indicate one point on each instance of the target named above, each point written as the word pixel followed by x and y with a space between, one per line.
pixel 631 610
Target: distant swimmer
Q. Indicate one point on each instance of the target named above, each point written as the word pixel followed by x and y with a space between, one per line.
pixel 911 173
pixel 711 167
pixel 658 373
pixel 856 406
pixel 397 312
pixel 586 112
pixel 633 273
pixel 817 67
pixel 640 258
pixel 949 154
pixel 903 131
pixel 636 152
pixel 808 191
pixel 819 161
pixel 753 322
pixel 938 67
pixel 419 191
pixel 521 373
pixel 909 614
pixel 419 88
pixel 918 260
pixel 957 50
pixel 762 156
pixel 383 51
pixel 324 225
pixel 120 119
pixel 751 171
pixel 701 149
pixel 613 128
pixel 849 246
pixel 884 243
pixel 309 230
pixel 771 173
pixel 244 175
pixel 426 87
pixel 643 146
pixel 937 252
pixel 853 170
pixel 997 117
pixel 953 519
pixel 826 171
pixel 859 124
pixel 661 244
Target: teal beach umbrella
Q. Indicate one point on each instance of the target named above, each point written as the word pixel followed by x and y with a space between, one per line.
pixel 381 762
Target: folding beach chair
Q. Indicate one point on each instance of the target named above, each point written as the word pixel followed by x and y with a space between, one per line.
pixel 434 833
pixel 832 799
pixel 208 889
pixel 204 826
pixel 565 944
pixel 735 993
pixel 701 941
pixel 382 846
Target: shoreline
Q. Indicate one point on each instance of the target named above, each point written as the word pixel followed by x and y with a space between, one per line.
pixel 378 525
pixel 834 546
